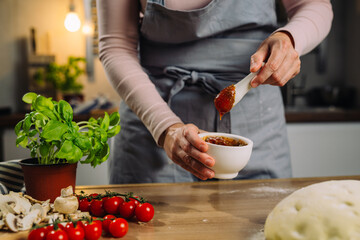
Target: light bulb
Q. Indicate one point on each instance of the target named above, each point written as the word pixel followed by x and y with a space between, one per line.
pixel 88 29
pixel 72 22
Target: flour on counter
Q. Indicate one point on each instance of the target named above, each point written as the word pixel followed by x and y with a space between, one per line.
pixel 266 190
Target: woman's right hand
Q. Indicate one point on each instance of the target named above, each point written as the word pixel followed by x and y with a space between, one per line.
pixel 185 148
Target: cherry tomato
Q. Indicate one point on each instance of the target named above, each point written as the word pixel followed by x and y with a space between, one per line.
pixel 74 233
pixel 58 234
pixel 48 228
pixel 93 195
pixel 84 205
pixel 92 230
pixel 127 209
pixel 144 212
pixel 118 227
pixel 111 205
pixel 134 200
pixel 104 198
pixel 51 227
pixel 106 222
pixel 96 220
pixel 96 208
pixel 38 234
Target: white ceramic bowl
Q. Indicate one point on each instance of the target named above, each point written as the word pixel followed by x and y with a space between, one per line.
pixel 229 160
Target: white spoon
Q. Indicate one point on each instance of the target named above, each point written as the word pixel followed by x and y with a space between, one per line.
pixel 243 87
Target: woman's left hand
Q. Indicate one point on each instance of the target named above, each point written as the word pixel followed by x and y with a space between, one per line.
pixel 282 62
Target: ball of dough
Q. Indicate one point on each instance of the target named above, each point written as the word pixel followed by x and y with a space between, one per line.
pixel 326 210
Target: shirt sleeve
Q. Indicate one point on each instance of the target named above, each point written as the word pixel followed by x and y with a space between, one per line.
pixel 309 22
pixel 118 40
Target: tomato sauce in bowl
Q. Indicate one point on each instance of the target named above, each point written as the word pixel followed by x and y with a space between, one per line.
pixel 225 141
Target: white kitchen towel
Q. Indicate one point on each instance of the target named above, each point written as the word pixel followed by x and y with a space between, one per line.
pixel 11 177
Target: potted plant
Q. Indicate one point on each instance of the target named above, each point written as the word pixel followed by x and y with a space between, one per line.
pixel 57 142
pixel 64 78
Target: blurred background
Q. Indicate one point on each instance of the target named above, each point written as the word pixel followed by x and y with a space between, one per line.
pixel 322 102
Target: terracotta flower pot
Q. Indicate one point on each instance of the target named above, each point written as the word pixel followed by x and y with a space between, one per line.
pixel 44 182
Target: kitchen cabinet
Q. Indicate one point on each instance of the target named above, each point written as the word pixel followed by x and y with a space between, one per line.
pixel 324 149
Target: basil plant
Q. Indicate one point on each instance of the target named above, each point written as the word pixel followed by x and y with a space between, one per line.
pixel 53 137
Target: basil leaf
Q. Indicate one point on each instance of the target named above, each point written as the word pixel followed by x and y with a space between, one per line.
pixel 103 135
pixel 65 111
pixel 68 136
pixel 69 152
pixel 104 153
pixel 89 158
pixel 114 119
pixel 41 117
pixel 18 127
pixel 49 113
pixel 96 145
pixel 105 122
pixel 27 123
pixel 29 97
pixel 82 142
pixel 75 126
pixel 44 149
pixel 113 131
pixel 33 132
pixel 54 130
pixel 92 120
pixel 42 103
pixel 20 139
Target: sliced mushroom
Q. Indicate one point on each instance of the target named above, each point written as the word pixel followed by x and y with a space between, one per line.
pixel 33 200
pixel 66 205
pixel 37 207
pixel 2 224
pixel 34 216
pixel 50 218
pixel 79 215
pixel 46 206
pixel 7 204
pixel 21 205
pixel 11 222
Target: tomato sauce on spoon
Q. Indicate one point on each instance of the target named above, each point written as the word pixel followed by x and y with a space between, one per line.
pixel 224 101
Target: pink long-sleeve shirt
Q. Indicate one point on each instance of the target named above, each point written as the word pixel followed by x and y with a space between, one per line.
pixel 309 23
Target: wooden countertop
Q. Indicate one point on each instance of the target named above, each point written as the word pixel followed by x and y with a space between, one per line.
pixel 205 210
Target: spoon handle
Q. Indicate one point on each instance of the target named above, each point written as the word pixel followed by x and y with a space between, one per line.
pixel 242 87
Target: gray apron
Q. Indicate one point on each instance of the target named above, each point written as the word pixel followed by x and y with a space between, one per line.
pixel 191 56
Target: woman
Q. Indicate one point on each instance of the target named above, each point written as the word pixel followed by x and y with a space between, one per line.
pixel 168 59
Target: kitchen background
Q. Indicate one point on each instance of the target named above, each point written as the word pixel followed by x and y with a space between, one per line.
pixel 328 84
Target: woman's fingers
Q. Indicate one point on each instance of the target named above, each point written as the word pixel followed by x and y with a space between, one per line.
pixel 193 166
pixel 282 64
pixel 288 69
pixel 195 147
pixel 187 149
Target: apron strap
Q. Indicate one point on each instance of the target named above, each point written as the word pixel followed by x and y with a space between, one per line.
pixel 183 77
pixel 206 81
